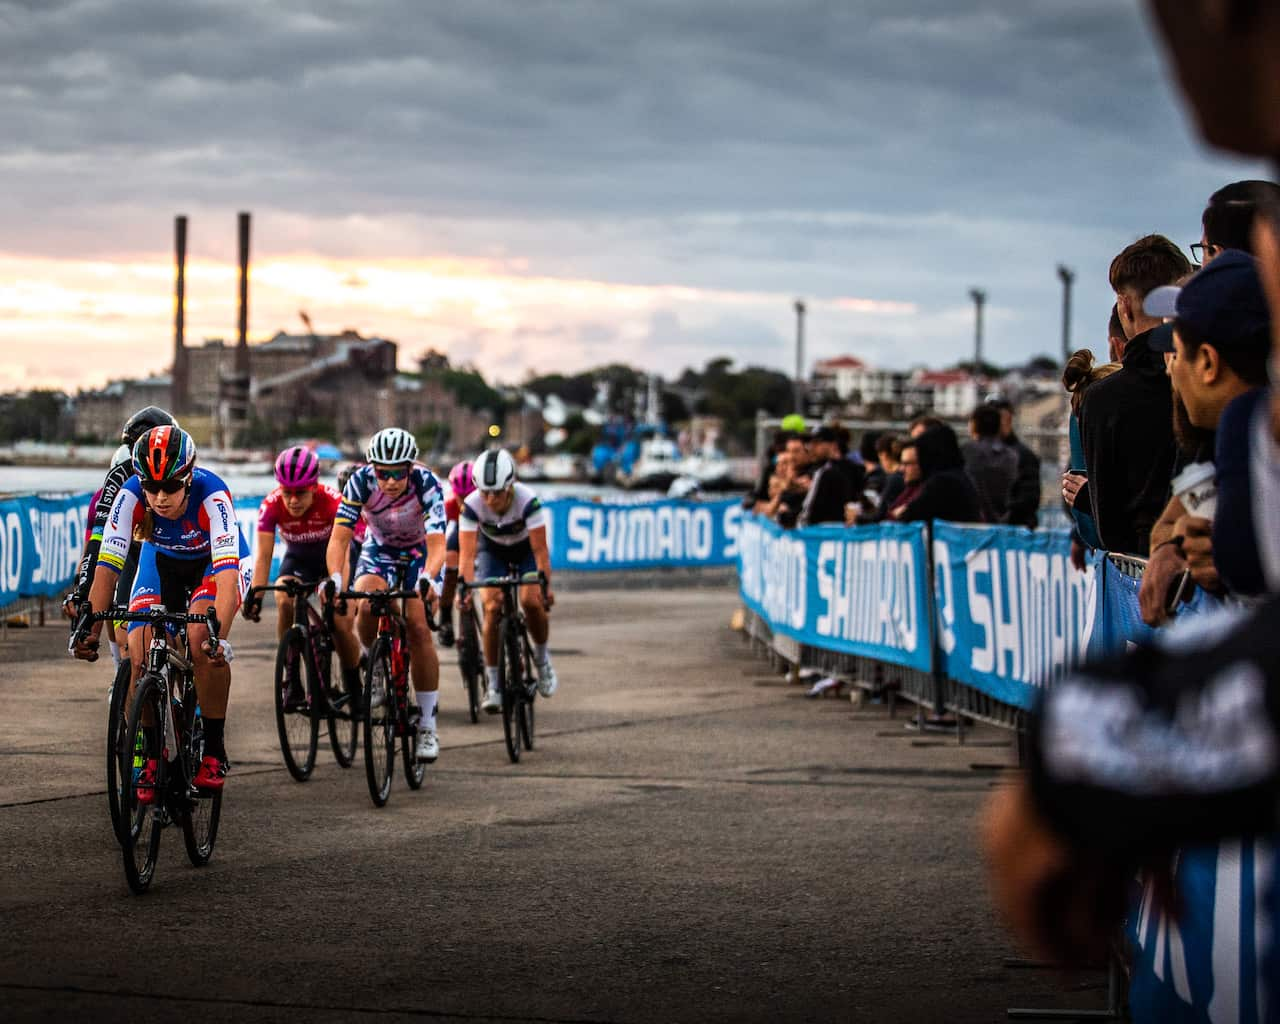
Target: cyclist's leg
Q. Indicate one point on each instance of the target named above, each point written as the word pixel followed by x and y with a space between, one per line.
pixel 213 682
pixel 450 585
pixel 489 566
pixel 539 624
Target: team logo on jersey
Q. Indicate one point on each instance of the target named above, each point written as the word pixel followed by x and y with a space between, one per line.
pixel 221 506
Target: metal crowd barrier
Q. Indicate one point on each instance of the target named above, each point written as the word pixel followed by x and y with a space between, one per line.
pixel 873 675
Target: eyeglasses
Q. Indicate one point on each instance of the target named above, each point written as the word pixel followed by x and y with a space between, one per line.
pixel 391 474
pixel 1199 250
pixel 167 486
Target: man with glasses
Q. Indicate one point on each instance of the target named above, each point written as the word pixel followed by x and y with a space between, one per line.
pixel 403 507
pixel 1227 221
pixel 193 552
pixel 502 530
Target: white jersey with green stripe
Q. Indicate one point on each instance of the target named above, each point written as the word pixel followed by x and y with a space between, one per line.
pixel 508 528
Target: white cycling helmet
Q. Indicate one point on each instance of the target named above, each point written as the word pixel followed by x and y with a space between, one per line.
pixel 390 446
pixel 494 470
pixel 123 454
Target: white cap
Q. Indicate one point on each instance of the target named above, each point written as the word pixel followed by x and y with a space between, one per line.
pixel 1162 301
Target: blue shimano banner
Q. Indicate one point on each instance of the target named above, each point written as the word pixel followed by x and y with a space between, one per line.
pixel 655 534
pixel 859 591
pixel 40 544
pixel 1013 612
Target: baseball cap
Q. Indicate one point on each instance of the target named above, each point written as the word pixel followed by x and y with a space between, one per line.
pixel 1223 304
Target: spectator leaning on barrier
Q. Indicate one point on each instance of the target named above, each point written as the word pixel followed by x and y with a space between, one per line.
pixel 1024 499
pixel 1079 373
pixel 1220 339
pixel 909 464
pixel 946 492
pixel 990 463
pixel 760 492
pixel 836 480
pixel 1125 423
pixel 889 451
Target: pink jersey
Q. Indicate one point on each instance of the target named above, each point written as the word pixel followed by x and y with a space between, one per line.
pixel 312 527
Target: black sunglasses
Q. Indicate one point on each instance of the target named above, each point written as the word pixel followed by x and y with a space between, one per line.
pixel 168 486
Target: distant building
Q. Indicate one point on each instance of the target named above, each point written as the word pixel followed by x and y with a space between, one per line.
pixel 345 380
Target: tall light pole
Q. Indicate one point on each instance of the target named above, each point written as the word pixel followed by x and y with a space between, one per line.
pixel 979 300
pixel 1066 276
pixel 799 389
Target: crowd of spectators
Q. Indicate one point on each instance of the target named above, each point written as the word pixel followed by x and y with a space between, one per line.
pixel 812 477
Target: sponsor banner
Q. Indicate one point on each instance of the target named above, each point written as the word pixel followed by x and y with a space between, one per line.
pixel 40 544
pixel 858 591
pixel 654 534
pixel 1013 612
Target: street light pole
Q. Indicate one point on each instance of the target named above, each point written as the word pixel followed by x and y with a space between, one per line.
pixel 799 387
pixel 1066 276
pixel 979 300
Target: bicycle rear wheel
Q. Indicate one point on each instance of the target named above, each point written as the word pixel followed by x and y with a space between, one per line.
pixel 511 686
pixel 119 761
pixel 414 770
pixel 379 724
pixel 200 814
pixel 297 720
pixel 141 822
pixel 344 722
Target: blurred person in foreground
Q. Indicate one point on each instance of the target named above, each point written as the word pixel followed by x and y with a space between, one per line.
pixel 1145 753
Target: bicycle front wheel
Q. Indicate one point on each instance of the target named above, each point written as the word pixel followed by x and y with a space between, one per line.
pixel 141 804
pixel 471 664
pixel 379 723
pixel 414 770
pixel 119 760
pixel 511 686
pixel 297 720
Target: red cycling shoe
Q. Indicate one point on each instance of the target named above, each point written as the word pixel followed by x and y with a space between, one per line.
pixel 144 783
pixel 212 773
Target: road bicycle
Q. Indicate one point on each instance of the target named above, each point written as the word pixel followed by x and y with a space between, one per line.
pixel 307 649
pixel 163 726
pixel 388 709
pixel 516 680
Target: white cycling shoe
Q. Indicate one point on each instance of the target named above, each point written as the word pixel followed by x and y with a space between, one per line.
pixel 428 745
pixel 547 681
pixel 492 702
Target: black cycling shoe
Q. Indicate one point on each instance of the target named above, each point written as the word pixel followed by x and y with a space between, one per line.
pixel 445 633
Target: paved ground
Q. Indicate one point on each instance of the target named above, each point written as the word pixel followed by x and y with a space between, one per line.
pixel 691 841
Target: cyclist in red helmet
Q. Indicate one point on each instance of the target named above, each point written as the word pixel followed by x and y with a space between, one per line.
pixel 193 553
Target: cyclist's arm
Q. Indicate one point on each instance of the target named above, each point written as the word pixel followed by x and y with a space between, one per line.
pixel 433 525
pixel 111 488
pixel 435 554
pixel 262 562
pixel 226 598
pixel 335 555
pixel 466 551
pixel 541 552
pixel 112 553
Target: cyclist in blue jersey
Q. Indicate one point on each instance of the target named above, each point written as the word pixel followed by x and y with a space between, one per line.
pixel 502 530
pixel 193 553
pixel 402 505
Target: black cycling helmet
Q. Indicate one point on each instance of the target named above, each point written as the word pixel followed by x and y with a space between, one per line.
pixel 142 421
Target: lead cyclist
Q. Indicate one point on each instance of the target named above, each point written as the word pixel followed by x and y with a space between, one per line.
pixel 502 530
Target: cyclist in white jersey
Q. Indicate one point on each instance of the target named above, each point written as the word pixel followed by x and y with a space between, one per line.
pixel 502 530
pixel 403 507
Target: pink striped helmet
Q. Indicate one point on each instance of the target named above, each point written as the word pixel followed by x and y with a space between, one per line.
pixel 297 467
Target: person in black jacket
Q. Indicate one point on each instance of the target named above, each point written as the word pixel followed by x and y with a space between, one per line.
pixel 946 491
pixel 1024 497
pixel 1126 420
pixel 836 480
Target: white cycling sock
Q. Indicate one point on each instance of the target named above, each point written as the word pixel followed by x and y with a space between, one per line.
pixel 427 701
pixel 491 676
pixel 540 653
pixel 115 652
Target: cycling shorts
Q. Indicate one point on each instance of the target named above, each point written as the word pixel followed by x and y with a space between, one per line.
pixel 178 583
pixel 305 562
pixel 397 567
pixel 494 560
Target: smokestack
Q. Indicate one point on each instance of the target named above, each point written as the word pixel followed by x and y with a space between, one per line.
pixel 242 346
pixel 181 373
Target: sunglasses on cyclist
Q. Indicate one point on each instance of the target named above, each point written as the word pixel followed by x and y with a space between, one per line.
pixel 167 486
pixel 391 474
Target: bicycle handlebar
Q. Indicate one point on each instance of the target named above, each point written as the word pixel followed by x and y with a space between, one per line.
pixel 506 582
pixel 154 616
pixel 294 588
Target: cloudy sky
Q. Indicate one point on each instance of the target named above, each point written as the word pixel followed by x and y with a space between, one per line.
pixel 553 185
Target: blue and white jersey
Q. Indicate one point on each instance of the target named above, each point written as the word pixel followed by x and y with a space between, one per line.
pixel 208 528
pixel 512 527
pixel 402 522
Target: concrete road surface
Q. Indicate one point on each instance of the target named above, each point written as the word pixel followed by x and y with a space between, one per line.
pixel 691 841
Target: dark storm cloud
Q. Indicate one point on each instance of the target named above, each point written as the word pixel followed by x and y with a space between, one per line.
pixel 891 149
